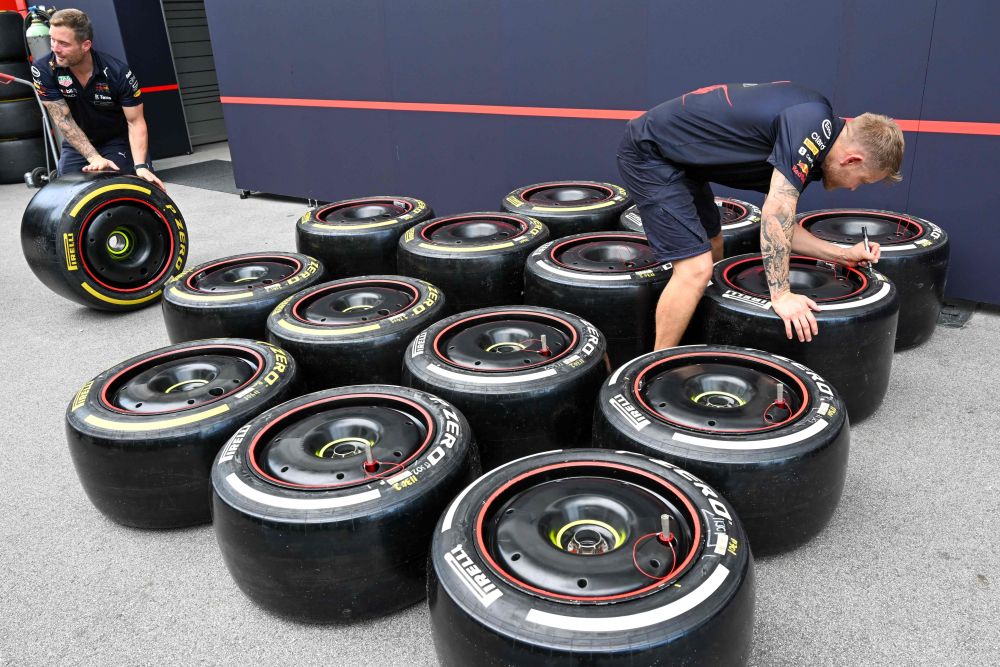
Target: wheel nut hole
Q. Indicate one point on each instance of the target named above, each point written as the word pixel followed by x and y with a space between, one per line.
pixel 216 391
pixel 582 583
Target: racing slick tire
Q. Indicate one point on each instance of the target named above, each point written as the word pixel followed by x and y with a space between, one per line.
pixel 358 237
pixel 477 259
pixel 20 118
pixel 521 395
pixel 610 278
pixel 768 433
pixel 570 207
pixel 104 241
pixel 354 330
pixel 740 225
pixel 19 68
pixel 19 157
pixel 12 35
pixel 231 297
pixel 590 557
pixel 857 323
pixel 914 256
pixel 143 434
pixel 309 532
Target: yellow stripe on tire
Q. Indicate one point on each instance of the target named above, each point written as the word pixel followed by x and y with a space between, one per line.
pixel 119 302
pixel 107 188
pixel 112 425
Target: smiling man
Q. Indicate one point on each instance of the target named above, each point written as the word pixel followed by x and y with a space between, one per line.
pixel 94 100
pixel 770 137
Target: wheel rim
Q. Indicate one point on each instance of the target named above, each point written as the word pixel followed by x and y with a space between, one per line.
pixel 587 532
pixel 730 211
pixel 356 302
pixel 604 254
pixel 473 230
pixel 324 444
pixel 567 194
pixel 847 226
pixel 816 279
pixel 363 210
pixel 243 273
pixel 508 341
pixel 721 393
pixel 127 245
pixel 187 379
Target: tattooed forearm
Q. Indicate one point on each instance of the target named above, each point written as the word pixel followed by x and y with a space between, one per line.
pixel 776 230
pixel 62 118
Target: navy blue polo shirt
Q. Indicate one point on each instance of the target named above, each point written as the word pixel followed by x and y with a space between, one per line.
pixel 736 134
pixel 96 107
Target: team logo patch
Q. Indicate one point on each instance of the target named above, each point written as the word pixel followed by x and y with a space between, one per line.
pixel 65 81
pixel 798 173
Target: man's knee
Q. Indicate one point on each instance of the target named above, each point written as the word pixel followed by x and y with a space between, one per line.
pixel 696 271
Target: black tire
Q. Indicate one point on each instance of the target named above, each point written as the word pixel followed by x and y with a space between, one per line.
pixel 231 297
pixel 608 278
pixel 20 118
pixel 740 225
pixel 149 468
pixel 12 36
pixel 477 259
pixel 12 91
pixel 507 578
pixel 570 207
pixel 714 412
pixel 521 398
pixel 73 246
pixel 306 544
pixel 20 156
pixel 355 330
pixel 914 256
pixel 857 326
pixel 358 237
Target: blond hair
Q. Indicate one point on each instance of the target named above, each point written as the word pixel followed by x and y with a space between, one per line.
pixel 882 141
pixel 76 21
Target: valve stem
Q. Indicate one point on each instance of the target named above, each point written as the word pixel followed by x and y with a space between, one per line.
pixel 780 400
pixel 666 529
pixel 370 464
pixel 545 351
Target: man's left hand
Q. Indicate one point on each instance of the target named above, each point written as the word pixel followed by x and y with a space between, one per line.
pixel 147 175
pixel 857 254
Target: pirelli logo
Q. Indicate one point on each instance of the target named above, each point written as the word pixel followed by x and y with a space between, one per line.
pixel 629 412
pixel 747 298
pixel 472 576
pixel 69 246
pixel 418 344
pixel 81 396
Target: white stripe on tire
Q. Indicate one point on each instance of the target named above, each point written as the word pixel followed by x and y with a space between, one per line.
pixel 746 445
pixel 240 487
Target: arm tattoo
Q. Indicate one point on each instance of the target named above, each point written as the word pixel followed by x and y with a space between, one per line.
pixel 776 230
pixel 61 116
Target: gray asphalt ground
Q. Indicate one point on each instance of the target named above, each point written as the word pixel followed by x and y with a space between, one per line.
pixel 907 573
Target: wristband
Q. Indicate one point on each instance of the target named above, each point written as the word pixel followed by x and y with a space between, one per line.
pixel 142 165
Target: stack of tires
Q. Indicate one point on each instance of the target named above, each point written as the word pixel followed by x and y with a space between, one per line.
pixel 22 147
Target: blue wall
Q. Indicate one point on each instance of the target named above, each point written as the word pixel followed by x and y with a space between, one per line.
pixel 911 59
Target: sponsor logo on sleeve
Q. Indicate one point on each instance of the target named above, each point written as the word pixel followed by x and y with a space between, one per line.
pixel 34 72
pixel 798 173
pixel 827 128
pixel 811 146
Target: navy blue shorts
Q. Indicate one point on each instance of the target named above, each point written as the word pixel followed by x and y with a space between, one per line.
pixel 116 150
pixel 679 214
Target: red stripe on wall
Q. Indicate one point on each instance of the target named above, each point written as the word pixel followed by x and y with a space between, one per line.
pixel 159 89
pixel 939 126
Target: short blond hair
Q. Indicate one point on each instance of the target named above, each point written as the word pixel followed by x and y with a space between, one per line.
pixel 882 141
pixel 76 21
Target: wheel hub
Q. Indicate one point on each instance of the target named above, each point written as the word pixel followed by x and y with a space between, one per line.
pixel 816 279
pixel 588 537
pixel 567 195
pixel 478 229
pixel 731 211
pixel 605 255
pixel 181 383
pixel 721 394
pixel 372 209
pixel 126 245
pixel 243 274
pixel 848 228
pixel 341 446
pixel 356 304
pixel 504 344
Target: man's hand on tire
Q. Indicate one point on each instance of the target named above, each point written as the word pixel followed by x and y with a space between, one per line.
pixel 147 175
pixel 795 310
pixel 98 163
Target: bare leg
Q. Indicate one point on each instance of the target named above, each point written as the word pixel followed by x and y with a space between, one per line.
pixel 716 248
pixel 680 297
